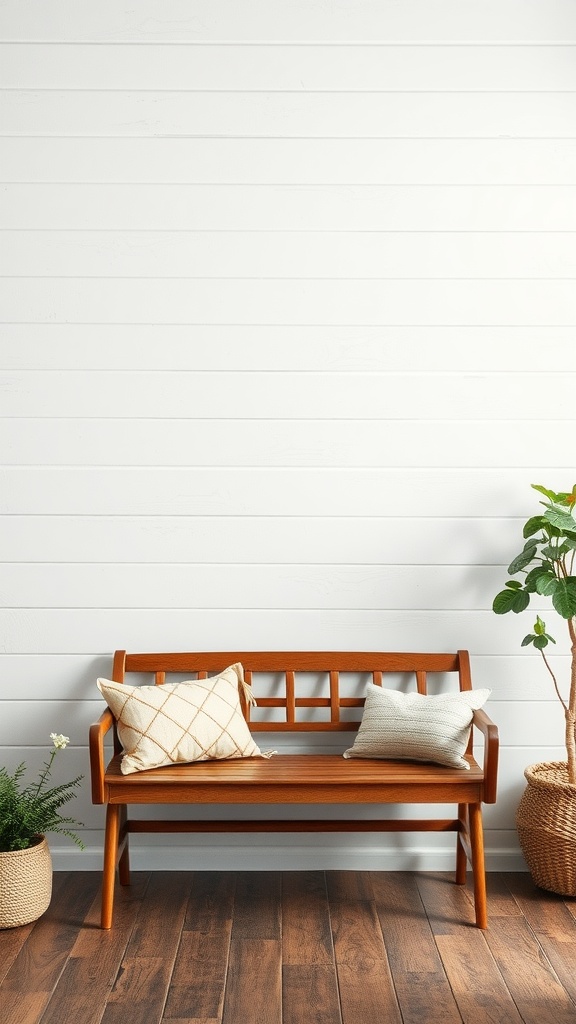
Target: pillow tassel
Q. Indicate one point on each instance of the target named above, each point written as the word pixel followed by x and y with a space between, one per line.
pixel 248 693
pixel 251 700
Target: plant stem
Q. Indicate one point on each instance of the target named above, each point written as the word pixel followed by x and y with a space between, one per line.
pixel 571 710
pixel 44 775
pixel 559 695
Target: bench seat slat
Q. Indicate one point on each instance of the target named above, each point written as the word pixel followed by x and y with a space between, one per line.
pixel 296 779
pixel 284 769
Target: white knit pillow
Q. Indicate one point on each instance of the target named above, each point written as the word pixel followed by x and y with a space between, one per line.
pixel 196 720
pixel 414 727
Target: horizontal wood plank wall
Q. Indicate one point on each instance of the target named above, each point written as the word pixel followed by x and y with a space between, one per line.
pixel 287 330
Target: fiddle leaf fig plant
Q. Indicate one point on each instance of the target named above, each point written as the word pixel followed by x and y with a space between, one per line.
pixel 546 563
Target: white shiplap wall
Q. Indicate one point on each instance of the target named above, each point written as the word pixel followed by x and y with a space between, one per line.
pixel 288 311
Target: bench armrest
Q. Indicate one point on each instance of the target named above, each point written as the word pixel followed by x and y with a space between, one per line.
pixel 491 744
pixel 97 762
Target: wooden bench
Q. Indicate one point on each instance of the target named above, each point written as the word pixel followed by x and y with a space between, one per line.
pixel 305 704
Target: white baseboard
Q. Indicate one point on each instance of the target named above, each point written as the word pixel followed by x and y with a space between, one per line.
pixel 202 857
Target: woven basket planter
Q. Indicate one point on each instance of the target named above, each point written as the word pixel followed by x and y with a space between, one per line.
pixel 25 884
pixel 546 822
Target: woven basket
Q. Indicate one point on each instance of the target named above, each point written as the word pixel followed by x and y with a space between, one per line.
pixel 546 822
pixel 25 884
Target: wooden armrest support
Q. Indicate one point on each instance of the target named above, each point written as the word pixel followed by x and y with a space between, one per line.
pixel 96 744
pixel 491 745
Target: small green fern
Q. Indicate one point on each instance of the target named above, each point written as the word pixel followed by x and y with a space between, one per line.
pixel 28 812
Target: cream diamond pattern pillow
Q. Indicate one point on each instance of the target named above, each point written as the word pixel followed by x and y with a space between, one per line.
pixel 196 720
pixel 415 727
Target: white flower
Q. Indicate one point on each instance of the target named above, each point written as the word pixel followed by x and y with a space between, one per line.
pixel 59 740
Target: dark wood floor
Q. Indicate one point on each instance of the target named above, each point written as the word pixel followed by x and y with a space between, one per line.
pixel 293 948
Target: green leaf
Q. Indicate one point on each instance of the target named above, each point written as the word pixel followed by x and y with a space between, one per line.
pixel 510 601
pixel 545 491
pixel 514 584
pixel 555 553
pixel 521 601
pixel 546 585
pixel 504 602
pixel 566 498
pixel 528 640
pixel 553 531
pixel 564 597
pixel 534 525
pixel 541 642
pixel 562 520
pixel 539 626
pixel 531 581
pixel 523 559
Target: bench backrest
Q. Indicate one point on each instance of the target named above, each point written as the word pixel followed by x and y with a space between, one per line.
pixel 301 681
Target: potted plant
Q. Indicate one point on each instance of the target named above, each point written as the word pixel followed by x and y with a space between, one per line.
pixel 26 814
pixel 546 817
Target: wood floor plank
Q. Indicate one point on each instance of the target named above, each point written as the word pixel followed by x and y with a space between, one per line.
pixel 141 987
pixel 140 991
pixel 257 905
pixel 364 977
pixel 553 925
pixel 478 987
pixel 422 989
pixel 501 900
pixel 208 923
pixel 211 900
pixel 570 905
pixel 254 989
pixel 22 1007
pixel 92 940
pixel 42 958
pixel 200 969
pixel 356 932
pixel 449 907
pixel 201 993
pixel 306 931
pixel 95 958
pixel 195 1020
pixel 310 994
pixel 82 992
pixel 528 974
pixel 405 927
pixel 349 885
pixel 157 930
pixel 563 961
pixel 11 942
pixel 547 913
pixel 36 970
pixel 208 946
pixel 13 939
pixel 367 994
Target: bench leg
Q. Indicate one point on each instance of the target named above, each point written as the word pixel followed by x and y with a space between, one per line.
pixel 124 862
pixel 478 867
pixel 110 858
pixel 461 858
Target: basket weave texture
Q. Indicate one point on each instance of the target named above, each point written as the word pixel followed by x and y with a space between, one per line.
pixel 25 884
pixel 546 822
